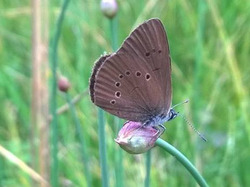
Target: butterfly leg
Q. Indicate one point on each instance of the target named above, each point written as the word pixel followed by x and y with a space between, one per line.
pixel 163 127
pixel 160 129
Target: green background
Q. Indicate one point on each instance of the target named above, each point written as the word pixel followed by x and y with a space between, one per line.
pixel 210 50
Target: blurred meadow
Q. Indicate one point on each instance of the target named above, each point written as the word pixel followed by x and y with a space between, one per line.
pixel 210 50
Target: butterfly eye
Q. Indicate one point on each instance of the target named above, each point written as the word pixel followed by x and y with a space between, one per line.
pixel 127 73
pixel 147 53
pixel 120 76
pixel 147 76
pixel 118 94
pixel 117 84
pixel 159 51
pixel 113 102
pixel 138 74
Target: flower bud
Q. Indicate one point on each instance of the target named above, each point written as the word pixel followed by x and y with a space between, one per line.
pixel 136 138
pixel 109 8
pixel 63 84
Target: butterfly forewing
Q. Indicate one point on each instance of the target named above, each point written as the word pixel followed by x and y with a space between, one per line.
pixel 134 83
pixel 149 41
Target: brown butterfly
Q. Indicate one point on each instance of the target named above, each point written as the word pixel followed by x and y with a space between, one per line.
pixel 134 83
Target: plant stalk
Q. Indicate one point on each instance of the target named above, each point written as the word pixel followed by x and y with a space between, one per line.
pixel 54 62
pixel 80 136
pixel 118 155
pixel 102 147
pixel 183 160
pixel 148 168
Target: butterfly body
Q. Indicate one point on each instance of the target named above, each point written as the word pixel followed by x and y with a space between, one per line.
pixel 160 119
pixel 134 83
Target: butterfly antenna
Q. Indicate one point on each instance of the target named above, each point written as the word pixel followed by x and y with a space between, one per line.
pixel 186 101
pixel 190 124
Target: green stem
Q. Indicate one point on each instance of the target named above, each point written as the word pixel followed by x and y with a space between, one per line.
pixel 199 57
pixel 118 158
pixel 183 160
pixel 102 147
pixel 118 155
pixel 80 136
pixel 114 32
pixel 148 168
pixel 54 61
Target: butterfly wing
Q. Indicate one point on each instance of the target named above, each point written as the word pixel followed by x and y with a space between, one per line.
pixel 135 82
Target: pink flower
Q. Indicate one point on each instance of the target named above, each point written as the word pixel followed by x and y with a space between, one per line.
pixel 136 138
pixel 63 84
pixel 109 8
